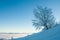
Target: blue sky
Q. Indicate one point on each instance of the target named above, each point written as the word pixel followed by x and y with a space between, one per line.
pixel 17 15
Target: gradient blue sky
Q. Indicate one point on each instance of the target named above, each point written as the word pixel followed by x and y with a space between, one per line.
pixel 17 15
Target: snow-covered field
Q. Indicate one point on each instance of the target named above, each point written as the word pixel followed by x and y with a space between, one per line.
pixel 51 34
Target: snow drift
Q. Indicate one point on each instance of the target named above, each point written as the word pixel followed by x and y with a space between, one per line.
pixel 51 34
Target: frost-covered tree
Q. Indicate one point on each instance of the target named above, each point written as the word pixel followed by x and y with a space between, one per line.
pixel 43 17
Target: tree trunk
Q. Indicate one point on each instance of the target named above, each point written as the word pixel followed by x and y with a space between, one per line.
pixel 46 27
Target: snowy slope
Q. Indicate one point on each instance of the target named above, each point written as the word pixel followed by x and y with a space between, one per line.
pixel 51 34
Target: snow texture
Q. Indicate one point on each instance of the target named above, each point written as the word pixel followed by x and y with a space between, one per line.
pixel 51 34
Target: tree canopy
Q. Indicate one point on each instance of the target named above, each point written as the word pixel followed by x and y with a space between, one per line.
pixel 43 17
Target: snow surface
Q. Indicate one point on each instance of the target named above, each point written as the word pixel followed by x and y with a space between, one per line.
pixel 51 34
